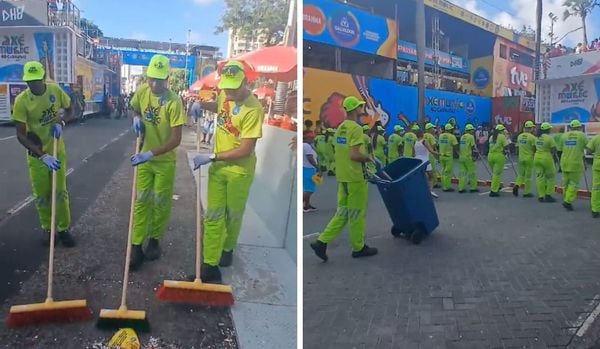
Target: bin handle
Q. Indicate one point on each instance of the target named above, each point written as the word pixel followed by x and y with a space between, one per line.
pixel 423 163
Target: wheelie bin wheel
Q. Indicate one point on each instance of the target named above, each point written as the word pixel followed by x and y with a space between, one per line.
pixel 397 233
pixel 418 234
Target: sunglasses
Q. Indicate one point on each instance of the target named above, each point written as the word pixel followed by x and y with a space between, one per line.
pixel 231 71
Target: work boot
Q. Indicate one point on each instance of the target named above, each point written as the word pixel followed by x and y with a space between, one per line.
pixel 529 195
pixel 152 251
pixel 46 238
pixel 568 206
pixel 462 191
pixel 226 259
pixel 516 190
pixel 474 191
pixel 211 274
pixel 137 257
pixel 542 199
pixel 66 239
pixel 595 214
pixel 449 190
pixel 320 249
pixel 549 198
pixel 494 194
pixel 365 252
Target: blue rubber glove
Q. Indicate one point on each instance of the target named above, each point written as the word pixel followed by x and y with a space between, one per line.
pixel 57 130
pixel 50 161
pixel 201 159
pixel 138 126
pixel 141 158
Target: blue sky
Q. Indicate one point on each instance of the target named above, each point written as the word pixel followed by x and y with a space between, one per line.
pixel 158 20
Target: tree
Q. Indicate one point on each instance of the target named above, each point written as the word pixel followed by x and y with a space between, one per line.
pixel 90 29
pixel 177 81
pixel 581 9
pixel 249 18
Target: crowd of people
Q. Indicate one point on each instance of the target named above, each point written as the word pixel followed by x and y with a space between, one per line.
pixel 560 50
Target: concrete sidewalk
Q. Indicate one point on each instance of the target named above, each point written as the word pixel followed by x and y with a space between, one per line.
pixel 497 273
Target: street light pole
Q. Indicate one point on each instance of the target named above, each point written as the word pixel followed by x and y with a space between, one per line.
pixel 420 30
pixel 538 39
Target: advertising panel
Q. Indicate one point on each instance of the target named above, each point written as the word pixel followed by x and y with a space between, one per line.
pixel 23 13
pixel 387 102
pixel 4 103
pixel 574 65
pixel 19 45
pixel 481 76
pixel 408 51
pixel 575 99
pixel 92 79
pixel 507 111
pixel 143 58
pixel 339 25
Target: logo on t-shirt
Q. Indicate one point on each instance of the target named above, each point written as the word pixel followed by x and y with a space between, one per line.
pixel 52 98
pixel 48 116
pixel 225 122
pixel 341 140
pixel 151 114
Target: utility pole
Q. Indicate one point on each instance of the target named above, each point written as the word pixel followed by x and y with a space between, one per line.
pixel 420 30
pixel 538 39
pixel 553 19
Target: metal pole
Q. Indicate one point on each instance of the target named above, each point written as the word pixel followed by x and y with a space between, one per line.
pixel 538 39
pixel 187 51
pixel 420 30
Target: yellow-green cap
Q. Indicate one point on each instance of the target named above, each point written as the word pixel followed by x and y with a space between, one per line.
pixel 449 127
pixel 231 76
pixel 416 127
pixel 159 67
pixel 365 127
pixel 429 126
pixel 379 128
pixel 33 70
pixel 575 124
pixel 500 127
pixel 398 128
pixel 330 130
pixel 529 124
pixel 469 127
pixel 545 126
pixel 350 103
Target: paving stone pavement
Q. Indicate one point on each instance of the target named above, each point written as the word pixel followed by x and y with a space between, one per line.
pixel 497 273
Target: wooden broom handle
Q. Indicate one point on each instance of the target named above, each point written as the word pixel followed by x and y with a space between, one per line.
pixel 199 221
pixel 130 232
pixel 52 224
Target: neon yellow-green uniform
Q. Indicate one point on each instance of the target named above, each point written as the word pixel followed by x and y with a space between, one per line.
pixel 329 153
pixel 432 159
pixel 409 141
pixel 496 159
pixel 467 174
pixel 368 149
pixel 353 191
pixel 447 142
pixel 155 178
pixel 229 181
pixel 544 165
pixel 571 162
pixel 320 148
pixel 394 142
pixel 526 143
pixel 558 141
pixel 380 148
pixel 594 146
pixel 39 114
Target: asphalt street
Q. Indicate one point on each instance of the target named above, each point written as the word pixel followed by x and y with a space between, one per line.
pixel 497 273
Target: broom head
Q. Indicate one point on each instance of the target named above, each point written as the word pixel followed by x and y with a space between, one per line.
pixel 48 312
pixel 195 292
pixel 114 319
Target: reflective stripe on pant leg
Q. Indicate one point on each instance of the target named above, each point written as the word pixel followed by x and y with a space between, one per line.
pixel 358 197
pixel 595 191
pixel 41 182
pixel 164 181
pixel 142 214
pixel 214 217
pixel 238 189
pixel 339 220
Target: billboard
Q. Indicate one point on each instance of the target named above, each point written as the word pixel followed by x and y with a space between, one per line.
pixel 143 58
pixel 482 75
pixel 508 112
pixel 340 25
pixel 91 77
pixel 575 99
pixel 23 13
pixel 408 51
pixel 574 65
pixel 19 45
pixel 387 102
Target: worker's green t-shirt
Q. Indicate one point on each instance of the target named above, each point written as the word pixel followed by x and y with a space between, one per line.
pixel 447 142
pixel 544 145
pixel 40 113
pixel 430 139
pixel 594 146
pixel 367 147
pixel 380 144
pixel 558 141
pixel 160 114
pixel 320 143
pixel 526 144
pixel 498 143
pixel 409 144
pixel 348 134
pixel 573 150
pixel 394 142
pixel 467 142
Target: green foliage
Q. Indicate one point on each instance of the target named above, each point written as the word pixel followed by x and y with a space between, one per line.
pixel 246 17
pixel 581 9
pixel 177 80
pixel 91 29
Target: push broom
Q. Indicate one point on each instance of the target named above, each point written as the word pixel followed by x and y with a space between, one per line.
pixel 49 311
pixel 123 317
pixel 196 292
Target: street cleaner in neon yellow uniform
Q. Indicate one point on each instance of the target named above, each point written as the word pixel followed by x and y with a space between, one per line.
pixel 394 144
pixel 36 114
pixel 329 152
pixel 430 138
pixel 593 147
pixel 368 148
pixel 380 144
pixel 466 161
pixel 158 117
pixel 353 191
pixel 408 143
pixel 320 148
pixel 543 160
pixel 497 157
pixel 447 144
pixel 526 149
pixel 239 126
pixel 572 162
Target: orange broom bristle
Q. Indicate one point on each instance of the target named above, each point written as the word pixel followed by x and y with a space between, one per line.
pixel 222 299
pixel 16 320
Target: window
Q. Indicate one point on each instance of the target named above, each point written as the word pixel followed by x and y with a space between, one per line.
pixel 502 51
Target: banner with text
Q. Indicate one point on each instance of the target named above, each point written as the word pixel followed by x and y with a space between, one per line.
pixel 19 45
pixel 408 51
pixel 575 99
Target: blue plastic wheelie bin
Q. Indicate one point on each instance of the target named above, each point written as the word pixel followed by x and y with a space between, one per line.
pixel 405 192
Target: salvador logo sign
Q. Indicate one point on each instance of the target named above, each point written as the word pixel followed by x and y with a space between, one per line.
pixel 481 78
pixel 344 28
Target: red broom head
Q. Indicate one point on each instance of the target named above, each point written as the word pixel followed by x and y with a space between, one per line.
pixel 219 299
pixel 21 319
